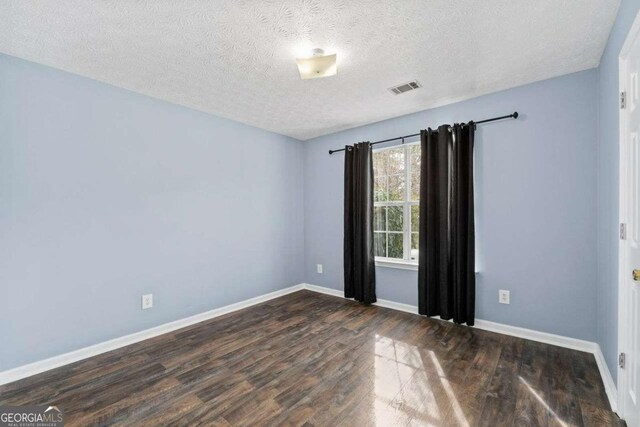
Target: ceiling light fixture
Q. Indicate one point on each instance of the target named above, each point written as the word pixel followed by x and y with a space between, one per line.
pixel 318 65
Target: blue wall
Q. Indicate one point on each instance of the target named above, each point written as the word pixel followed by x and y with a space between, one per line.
pixel 536 204
pixel 107 195
pixel 608 137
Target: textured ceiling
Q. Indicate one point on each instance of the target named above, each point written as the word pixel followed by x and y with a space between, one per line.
pixel 236 58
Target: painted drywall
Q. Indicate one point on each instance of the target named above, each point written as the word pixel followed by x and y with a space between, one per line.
pixel 107 195
pixel 608 172
pixel 535 204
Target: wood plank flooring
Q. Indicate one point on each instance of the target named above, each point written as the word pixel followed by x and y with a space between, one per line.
pixel 309 359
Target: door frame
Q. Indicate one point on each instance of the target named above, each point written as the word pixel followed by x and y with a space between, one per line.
pixel 623 214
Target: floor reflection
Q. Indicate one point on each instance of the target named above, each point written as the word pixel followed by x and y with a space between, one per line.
pixel 539 398
pixel 457 410
pixel 410 387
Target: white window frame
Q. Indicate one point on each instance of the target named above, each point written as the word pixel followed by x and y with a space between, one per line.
pixel 405 263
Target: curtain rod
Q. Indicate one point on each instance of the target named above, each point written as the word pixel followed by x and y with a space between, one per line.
pixel 510 116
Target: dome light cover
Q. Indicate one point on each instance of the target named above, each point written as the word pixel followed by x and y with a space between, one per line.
pixel 317 66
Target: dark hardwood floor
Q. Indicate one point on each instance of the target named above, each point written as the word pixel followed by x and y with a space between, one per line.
pixel 316 360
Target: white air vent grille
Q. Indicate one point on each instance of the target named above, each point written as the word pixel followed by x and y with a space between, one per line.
pixel 405 87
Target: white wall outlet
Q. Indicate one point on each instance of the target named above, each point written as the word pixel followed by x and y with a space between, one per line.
pixel 504 297
pixel 319 268
pixel 147 301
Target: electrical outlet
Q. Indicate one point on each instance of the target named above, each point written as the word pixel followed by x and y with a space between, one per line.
pixel 504 297
pixel 147 301
pixel 319 268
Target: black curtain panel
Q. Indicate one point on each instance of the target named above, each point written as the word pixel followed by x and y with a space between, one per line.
pixel 446 272
pixel 359 263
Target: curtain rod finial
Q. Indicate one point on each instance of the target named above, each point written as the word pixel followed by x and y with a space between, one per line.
pixel 515 115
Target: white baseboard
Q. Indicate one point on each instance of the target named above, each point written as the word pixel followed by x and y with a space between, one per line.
pixel 530 334
pixel 607 379
pixel 83 353
pixel 323 290
pixel 86 352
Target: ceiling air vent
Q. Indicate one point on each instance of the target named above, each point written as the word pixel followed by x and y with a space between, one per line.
pixel 405 87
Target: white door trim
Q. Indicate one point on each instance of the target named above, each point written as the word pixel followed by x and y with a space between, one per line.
pixel 623 214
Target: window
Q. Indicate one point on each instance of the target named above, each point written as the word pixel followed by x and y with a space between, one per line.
pixel 396 194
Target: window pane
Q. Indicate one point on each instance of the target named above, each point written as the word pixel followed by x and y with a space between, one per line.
pixel 414 153
pixel 415 186
pixel 395 218
pixel 415 242
pixel 380 160
pixel 379 218
pixel 415 218
pixel 395 161
pixel 396 188
pixel 380 189
pixel 380 244
pixel 395 245
pixel 393 184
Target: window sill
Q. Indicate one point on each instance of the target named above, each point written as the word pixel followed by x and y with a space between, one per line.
pixel 403 265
